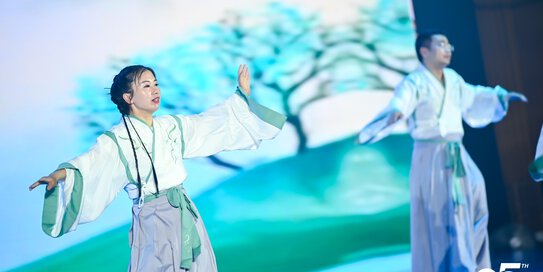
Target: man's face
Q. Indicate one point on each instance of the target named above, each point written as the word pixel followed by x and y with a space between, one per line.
pixel 438 54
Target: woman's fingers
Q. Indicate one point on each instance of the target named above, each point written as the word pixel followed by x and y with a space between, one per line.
pixel 243 70
pixel 36 184
pixel 51 183
pixel 33 185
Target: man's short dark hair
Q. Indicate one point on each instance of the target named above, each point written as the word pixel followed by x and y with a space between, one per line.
pixel 424 38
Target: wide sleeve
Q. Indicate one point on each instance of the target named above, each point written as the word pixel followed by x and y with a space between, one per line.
pixel 237 123
pixel 92 182
pixel 404 102
pixel 536 168
pixel 482 105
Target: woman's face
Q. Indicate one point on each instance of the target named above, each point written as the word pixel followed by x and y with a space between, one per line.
pixel 145 98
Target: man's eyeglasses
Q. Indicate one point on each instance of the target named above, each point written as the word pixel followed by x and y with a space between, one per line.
pixel 445 46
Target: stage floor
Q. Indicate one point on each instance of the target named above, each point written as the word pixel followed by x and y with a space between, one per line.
pixel 402 262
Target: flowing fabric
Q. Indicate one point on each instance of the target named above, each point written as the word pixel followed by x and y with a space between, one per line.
pixel 157 244
pixel 449 213
pixel 95 178
pixel 536 168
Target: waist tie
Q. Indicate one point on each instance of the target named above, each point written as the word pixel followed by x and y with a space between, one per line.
pixel 453 161
pixel 190 240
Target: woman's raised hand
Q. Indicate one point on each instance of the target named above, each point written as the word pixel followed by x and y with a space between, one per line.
pixel 244 79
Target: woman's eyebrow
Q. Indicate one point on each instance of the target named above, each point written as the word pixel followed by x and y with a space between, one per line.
pixel 147 81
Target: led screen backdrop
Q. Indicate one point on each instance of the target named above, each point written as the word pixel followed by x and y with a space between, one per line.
pixel 310 200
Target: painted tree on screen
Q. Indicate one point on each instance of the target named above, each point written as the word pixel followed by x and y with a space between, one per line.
pixel 295 59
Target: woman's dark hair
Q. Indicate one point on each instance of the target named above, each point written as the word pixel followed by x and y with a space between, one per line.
pixel 424 39
pixel 122 83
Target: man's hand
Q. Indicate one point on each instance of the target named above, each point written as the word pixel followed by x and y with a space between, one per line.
pixel 394 117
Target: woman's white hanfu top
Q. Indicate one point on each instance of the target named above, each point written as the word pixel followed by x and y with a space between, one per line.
pixel 95 178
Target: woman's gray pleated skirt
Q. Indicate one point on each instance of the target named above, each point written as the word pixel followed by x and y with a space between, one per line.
pixel 155 240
